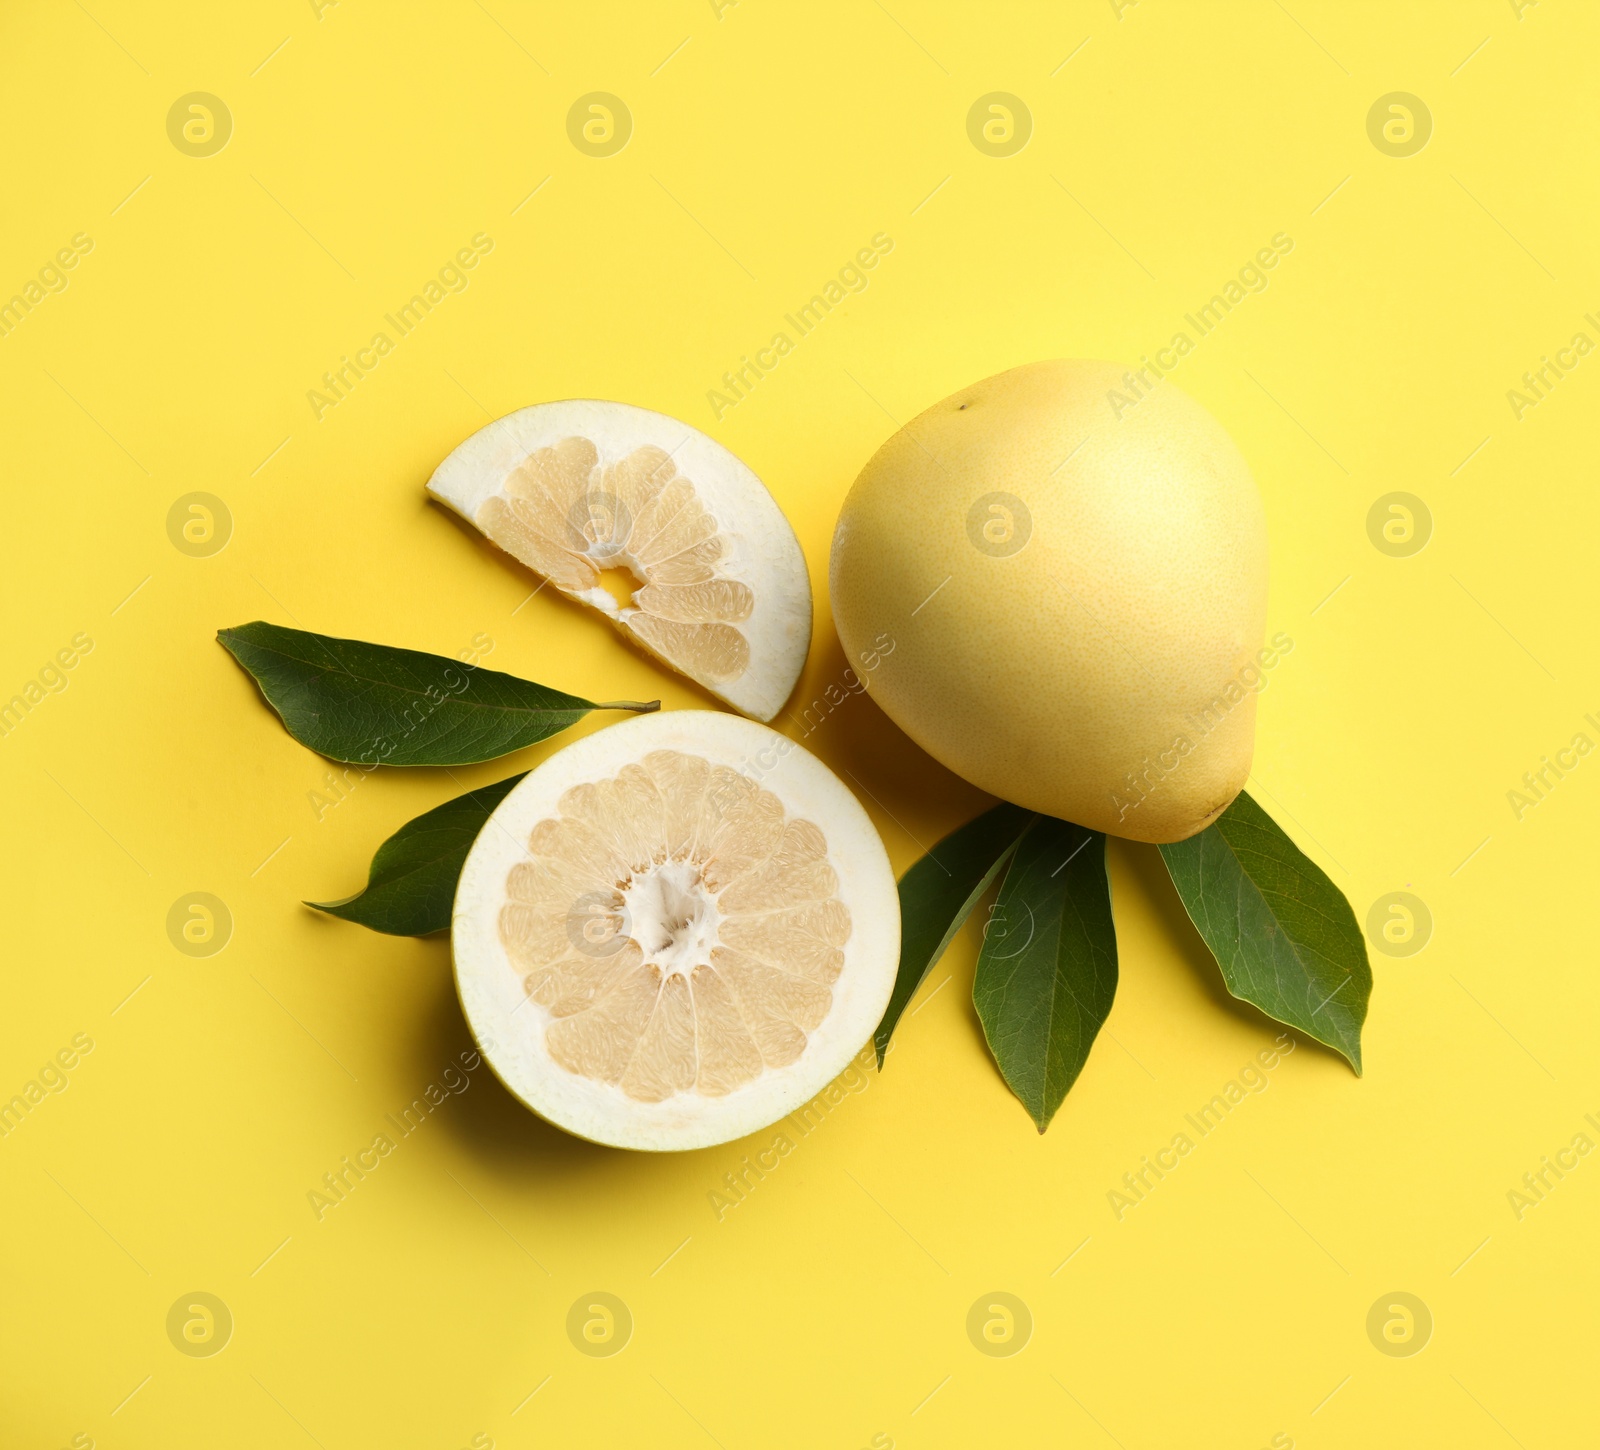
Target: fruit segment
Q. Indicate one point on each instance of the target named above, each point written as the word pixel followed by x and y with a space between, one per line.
pixel 650 522
pixel 681 930
pixel 675 931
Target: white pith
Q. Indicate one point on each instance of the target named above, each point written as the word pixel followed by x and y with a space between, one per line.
pixel 760 563
pixel 672 916
pixel 667 914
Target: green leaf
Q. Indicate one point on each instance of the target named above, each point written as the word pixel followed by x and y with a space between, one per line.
pixel 369 704
pixel 938 894
pixel 1048 968
pixel 1283 934
pixel 411 886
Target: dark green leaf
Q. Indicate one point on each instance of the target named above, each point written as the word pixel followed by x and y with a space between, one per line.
pixel 1048 968
pixel 938 894
pixel 412 883
pixel 369 704
pixel 1283 934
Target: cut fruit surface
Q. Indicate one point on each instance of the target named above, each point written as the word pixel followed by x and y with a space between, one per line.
pixel 675 931
pixel 606 500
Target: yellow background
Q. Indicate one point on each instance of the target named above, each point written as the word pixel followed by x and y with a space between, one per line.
pixel 770 143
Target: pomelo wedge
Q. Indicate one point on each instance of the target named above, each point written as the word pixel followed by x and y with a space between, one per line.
pixel 592 494
pixel 675 931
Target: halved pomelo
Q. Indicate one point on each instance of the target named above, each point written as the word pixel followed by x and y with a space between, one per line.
pixel 716 583
pixel 675 931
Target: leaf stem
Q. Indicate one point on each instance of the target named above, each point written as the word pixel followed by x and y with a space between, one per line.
pixel 644 707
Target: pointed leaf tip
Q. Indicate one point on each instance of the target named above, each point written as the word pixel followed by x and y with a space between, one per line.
pixel 1047 972
pixel 1282 932
pixel 411 887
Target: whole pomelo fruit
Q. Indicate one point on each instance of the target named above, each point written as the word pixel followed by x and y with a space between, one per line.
pixel 1058 588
